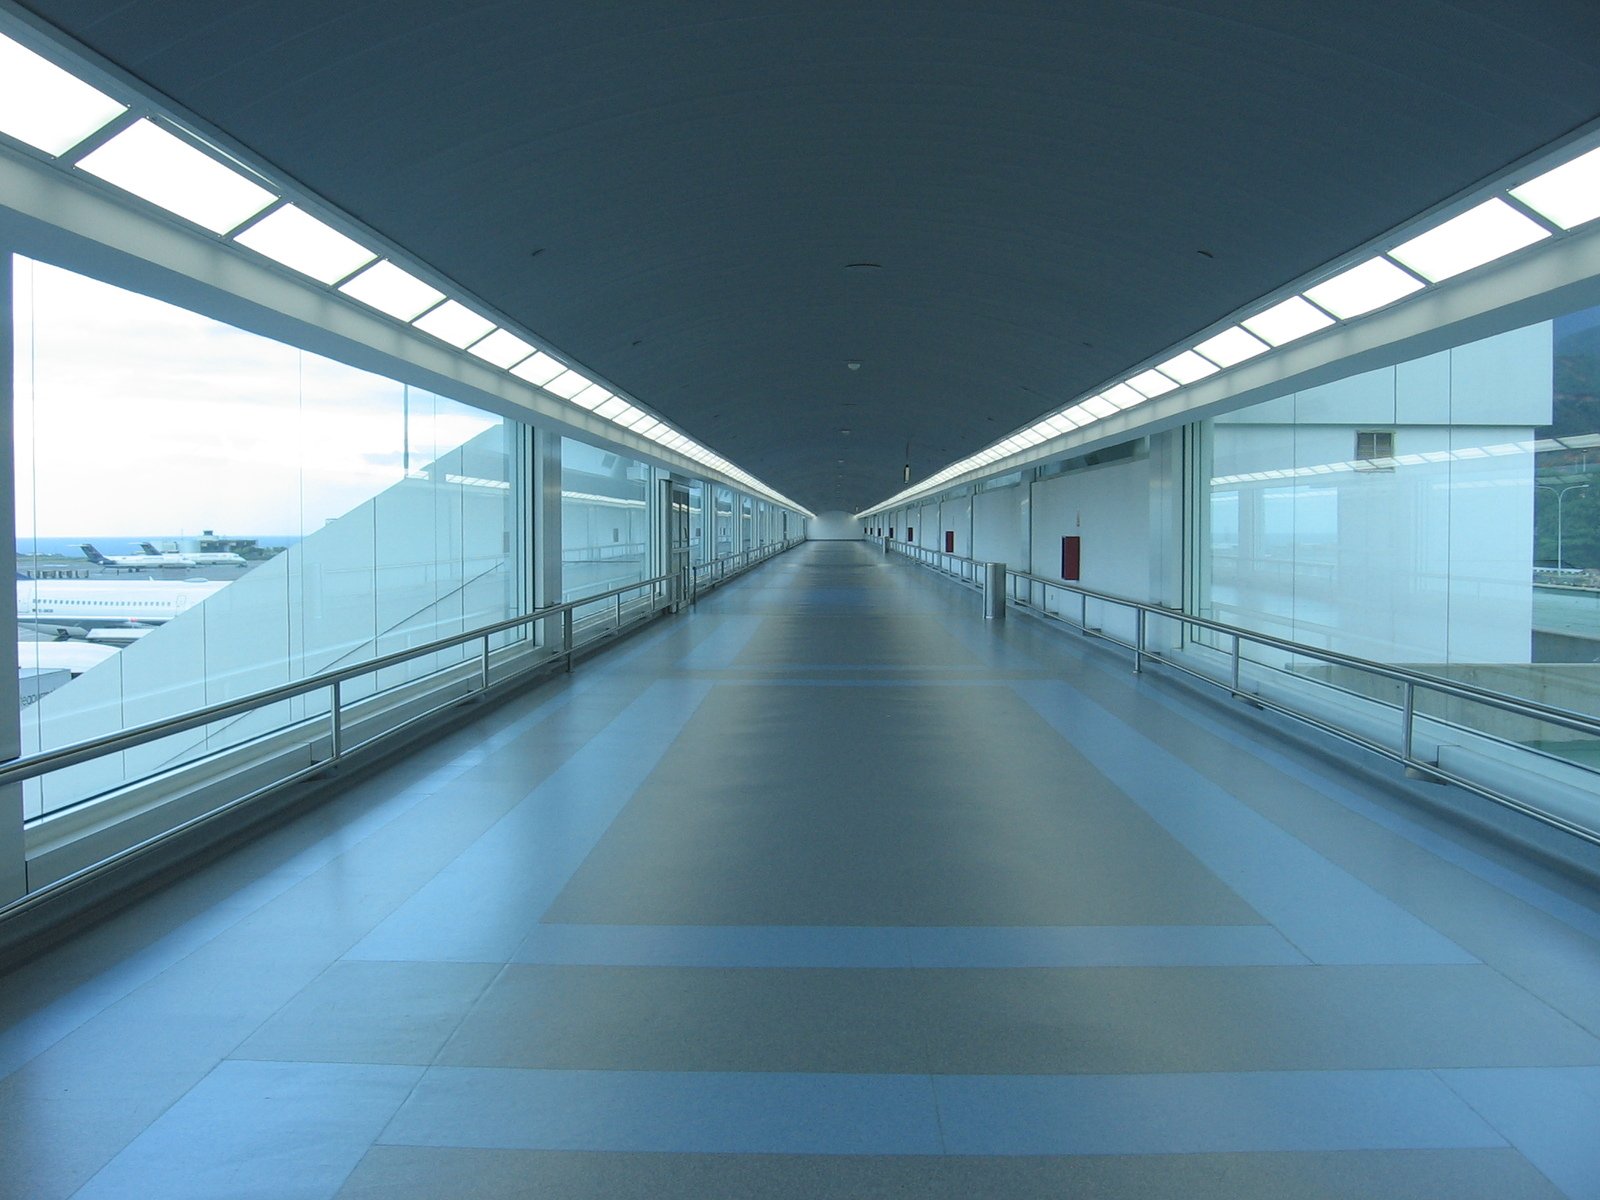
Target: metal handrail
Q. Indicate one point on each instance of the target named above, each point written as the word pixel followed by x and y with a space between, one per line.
pixel 19 770
pixel 1578 722
pixel 1408 679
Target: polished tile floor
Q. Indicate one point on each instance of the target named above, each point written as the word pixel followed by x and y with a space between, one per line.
pixel 829 889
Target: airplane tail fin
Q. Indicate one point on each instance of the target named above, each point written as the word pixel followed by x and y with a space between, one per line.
pixel 92 554
pixel 149 548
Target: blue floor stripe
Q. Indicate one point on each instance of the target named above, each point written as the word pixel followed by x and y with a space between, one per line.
pixel 889 947
pixel 1550 1114
pixel 1326 912
pixel 671 1111
pixel 1585 920
pixel 481 906
pixel 710 1112
pixel 722 645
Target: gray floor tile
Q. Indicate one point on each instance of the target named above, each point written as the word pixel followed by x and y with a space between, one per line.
pixel 688 1019
pixel 915 823
pixel 372 1012
pixel 427 1173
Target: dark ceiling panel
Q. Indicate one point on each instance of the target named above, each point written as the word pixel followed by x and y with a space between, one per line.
pixel 1036 179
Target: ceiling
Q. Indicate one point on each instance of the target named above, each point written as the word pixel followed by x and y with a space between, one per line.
pixel 1053 191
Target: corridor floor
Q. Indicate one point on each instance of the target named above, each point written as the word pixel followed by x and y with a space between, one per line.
pixel 829 888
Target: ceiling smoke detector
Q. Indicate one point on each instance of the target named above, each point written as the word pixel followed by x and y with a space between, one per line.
pixel 853 364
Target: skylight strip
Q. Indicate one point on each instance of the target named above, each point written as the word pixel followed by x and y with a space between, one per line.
pixel 1567 196
pixel 46 106
pixel 1151 384
pixel 539 370
pixel 502 348
pixel 1364 288
pixel 297 240
pixel 1187 367
pixel 392 290
pixel 567 385
pixel 1120 397
pixel 1232 347
pixel 169 172
pixel 454 323
pixel 1480 235
pixel 1287 321
pixel 592 397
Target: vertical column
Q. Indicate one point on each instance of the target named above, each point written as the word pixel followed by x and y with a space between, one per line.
pixel 13 876
pixel 545 551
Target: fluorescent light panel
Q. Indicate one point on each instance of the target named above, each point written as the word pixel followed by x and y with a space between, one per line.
pixel 46 107
pixel 1363 289
pixel 502 348
pixel 539 370
pixel 1151 384
pixel 1287 322
pixel 1187 367
pixel 1232 347
pixel 592 397
pixel 611 408
pixel 1099 406
pixel 293 237
pixel 1120 397
pixel 1569 195
pixel 455 323
pixel 1480 235
pixel 568 385
pixel 161 167
pixel 392 291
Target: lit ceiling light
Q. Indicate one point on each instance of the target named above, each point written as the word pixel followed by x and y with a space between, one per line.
pixel 1151 384
pixel 293 237
pixel 567 385
pixel 1099 406
pixel 1287 322
pixel 1480 235
pixel 1061 423
pixel 538 370
pixel 1120 397
pixel 592 397
pixel 1568 195
pixel 173 174
pixel 392 291
pixel 46 107
pixel 1028 438
pixel 454 323
pixel 502 348
pixel 1231 347
pixel 611 408
pixel 1187 367
pixel 1363 288
pixel 647 427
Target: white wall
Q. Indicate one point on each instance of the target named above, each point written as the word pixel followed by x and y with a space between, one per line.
pixel 1424 560
pixel 835 526
pixel 1000 526
pixel 1108 507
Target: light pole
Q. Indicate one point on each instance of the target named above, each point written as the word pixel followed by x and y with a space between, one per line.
pixel 1561 494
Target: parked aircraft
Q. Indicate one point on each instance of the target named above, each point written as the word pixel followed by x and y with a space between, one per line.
pixel 54 605
pixel 201 558
pixel 135 562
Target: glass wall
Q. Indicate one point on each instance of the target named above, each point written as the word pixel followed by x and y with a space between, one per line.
pixel 364 516
pixel 1437 514
pixel 699 544
pixel 725 536
pixel 604 523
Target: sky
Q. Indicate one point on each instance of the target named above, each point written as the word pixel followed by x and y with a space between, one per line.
pixel 137 418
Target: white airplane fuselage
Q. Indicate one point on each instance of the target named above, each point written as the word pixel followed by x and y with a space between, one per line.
pixel 98 603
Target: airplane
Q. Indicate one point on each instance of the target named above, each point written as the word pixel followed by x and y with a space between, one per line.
pixel 78 605
pixel 201 558
pixel 135 562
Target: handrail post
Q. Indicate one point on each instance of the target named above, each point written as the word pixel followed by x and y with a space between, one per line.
pixel 1408 719
pixel 1138 641
pixel 566 637
pixel 619 610
pixel 1236 691
pixel 483 666
pixel 334 711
